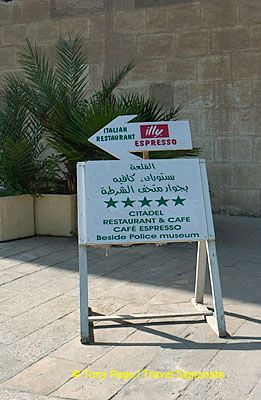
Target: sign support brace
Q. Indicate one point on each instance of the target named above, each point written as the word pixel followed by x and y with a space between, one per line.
pixel 216 321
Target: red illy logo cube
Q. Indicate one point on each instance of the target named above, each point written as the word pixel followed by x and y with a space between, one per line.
pixel 154 131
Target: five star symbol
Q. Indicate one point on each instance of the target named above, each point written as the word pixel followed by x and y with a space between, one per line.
pixel 145 202
pixel 162 201
pixel 111 203
pixel 128 202
pixel 178 200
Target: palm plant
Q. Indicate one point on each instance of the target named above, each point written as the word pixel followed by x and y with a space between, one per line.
pixel 20 141
pixel 57 97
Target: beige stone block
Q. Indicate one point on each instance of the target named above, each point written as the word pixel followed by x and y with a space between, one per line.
pixel 250 10
pixel 181 69
pixel 233 149
pixel 245 176
pixel 214 67
pixel 129 21
pixel 224 149
pixel 224 122
pixel 193 42
pixel 16 217
pixel 94 51
pixel 99 26
pixel 257 123
pixel 163 93
pixel 120 48
pixel 256 37
pixel 243 97
pixel 5 13
pixel 258 175
pixel 206 122
pixel 31 31
pixel 75 26
pixel 55 214
pixel 223 94
pixel 8 58
pixel 123 4
pixel 184 16
pixel 147 70
pixel 221 12
pixel 31 10
pixel 243 149
pixel 194 95
pixel 157 19
pixel 257 149
pixel 240 201
pixel 246 65
pixel 62 8
pixel 246 121
pixel 44 376
pixel 221 175
pixel 231 39
pixel 47 30
pixel 196 120
pixel 256 87
pixel 14 34
pixel 200 122
pixel 155 45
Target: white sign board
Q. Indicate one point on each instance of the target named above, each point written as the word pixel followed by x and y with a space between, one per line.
pixel 120 137
pixel 143 201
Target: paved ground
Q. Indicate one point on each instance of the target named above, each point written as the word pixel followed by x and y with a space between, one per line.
pixel 39 320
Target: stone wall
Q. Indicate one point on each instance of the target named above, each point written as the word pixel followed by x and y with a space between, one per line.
pixel 204 54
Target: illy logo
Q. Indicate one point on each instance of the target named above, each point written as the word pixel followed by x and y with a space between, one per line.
pixel 154 131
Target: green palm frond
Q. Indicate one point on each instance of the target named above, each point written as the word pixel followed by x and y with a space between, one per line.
pixel 112 82
pixel 14 112
pixel 18 168
pixel 20 139
pixel 42 75
pixel 172 114
pixel 72 68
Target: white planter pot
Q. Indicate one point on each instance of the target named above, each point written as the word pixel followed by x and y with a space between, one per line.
pixel 16 217
pixel 55 215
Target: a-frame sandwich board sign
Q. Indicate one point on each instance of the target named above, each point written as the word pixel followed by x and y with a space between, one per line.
pixel 148 201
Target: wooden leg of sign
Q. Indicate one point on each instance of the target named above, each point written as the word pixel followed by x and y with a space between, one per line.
pixel 91 327
pixel 146 155
pixel 217 321
pixel 84 311
pixel 200 272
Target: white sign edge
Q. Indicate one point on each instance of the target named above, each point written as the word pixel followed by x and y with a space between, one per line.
pixel 81 203
pixel 83 227
pixel 207 201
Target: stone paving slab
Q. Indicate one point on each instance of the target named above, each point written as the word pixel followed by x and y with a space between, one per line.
pixel 39 320
pixel 36 318
pixel 16 395
pixel 36 378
